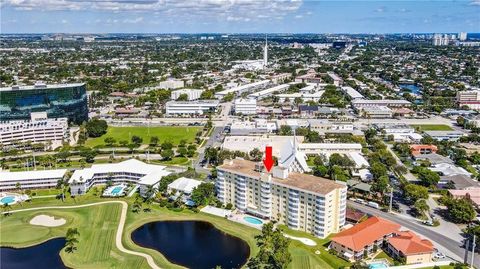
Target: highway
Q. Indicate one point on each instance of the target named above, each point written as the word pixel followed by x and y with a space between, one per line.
pixel 448 246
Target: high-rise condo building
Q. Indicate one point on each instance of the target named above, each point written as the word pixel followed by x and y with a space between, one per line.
pixel 300 201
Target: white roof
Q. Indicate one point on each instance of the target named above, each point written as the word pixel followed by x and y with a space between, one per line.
pixel 358 159
pixel 32 175
pixel 290 154
pixel 352 92
pixel 345 146
pixel 448 169
pixel 185 185
pixel 270 90
pixel 151 172
pixel 244 87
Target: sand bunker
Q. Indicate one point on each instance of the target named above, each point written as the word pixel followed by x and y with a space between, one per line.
pixel 306 241
pixel 47 221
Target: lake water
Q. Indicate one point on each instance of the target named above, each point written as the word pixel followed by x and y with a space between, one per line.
pixel 413 88
pixel 43 256
pixel 193 244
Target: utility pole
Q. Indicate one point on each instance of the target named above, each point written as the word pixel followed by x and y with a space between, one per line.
pixel 473 251
pixel 391 200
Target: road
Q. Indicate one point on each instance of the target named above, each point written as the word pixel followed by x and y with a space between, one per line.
pixel 120 227
pixel 452 248
pixel 214 140
pixel 408 176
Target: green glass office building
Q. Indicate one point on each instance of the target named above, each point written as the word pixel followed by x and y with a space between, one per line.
pixel 59 101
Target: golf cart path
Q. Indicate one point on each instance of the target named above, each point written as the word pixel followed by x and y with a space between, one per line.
pixel 121 226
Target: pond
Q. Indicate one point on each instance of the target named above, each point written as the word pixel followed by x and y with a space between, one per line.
pixel 193 244
pixel 42 256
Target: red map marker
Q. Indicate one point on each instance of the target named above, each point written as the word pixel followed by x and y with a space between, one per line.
pixel 268 161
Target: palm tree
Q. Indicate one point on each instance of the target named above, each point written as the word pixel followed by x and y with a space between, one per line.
pixel 137 206
pixel 422 207
pixel 71 239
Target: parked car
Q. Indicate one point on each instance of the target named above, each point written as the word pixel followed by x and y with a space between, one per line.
pixel 438 255
pixel 374 205
pixel 428 222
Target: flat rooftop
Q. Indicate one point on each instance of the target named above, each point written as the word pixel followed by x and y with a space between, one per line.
pixel 40 86
pixel 299 181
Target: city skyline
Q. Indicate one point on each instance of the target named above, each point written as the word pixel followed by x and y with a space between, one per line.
pixel 291 16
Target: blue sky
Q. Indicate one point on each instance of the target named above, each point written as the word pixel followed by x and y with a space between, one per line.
pixel 239 16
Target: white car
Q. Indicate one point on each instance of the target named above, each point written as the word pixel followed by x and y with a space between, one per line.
pixel 439 256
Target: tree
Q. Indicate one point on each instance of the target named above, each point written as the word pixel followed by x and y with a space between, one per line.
pixel 421 206
pixel 203 193
pixel 320 171
pixel 427 176
pixel 96 127
pixel 109 141
pixel 182 151
pixel 381 185
pixel 137 140
pixel 182 97
pixel 256 154
pixel 273 251
pixel 71 240
pixel 167 154
pixel 137 205
pixel 378 170
pixel 164 181
pixel 461 210
pixel 285 130
pixel 414 192
pixel 154 140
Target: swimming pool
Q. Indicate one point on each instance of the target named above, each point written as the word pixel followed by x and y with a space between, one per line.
pixel 8 200
pixel 253 220
pixel 117 190
pixel 377 265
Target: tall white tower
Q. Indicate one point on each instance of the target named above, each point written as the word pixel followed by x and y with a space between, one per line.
pixel 265 53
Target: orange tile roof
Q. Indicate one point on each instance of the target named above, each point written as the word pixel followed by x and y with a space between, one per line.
pixel 365 233
pixel 410 244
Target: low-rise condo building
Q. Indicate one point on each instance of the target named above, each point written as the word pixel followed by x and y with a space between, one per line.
pixel 129 171
pixel 192 94
pixel 39 129
pixel 31 179
pixel 302 202
pixel 245 106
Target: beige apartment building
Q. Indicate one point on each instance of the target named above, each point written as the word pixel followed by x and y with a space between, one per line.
pixel 300 201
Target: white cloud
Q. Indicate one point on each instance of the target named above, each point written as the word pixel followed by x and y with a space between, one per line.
pixel 298 16
pixel 475 3
pixel 133 21
pixel 221 9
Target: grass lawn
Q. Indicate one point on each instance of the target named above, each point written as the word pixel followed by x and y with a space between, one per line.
pixel 97 227
pixel 432 127
pixel 383 255
pixel 174 161
pixel 164 133
pixel 304 256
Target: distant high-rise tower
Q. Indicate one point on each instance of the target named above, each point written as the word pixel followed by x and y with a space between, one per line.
pixel 265 53
pixel 462 36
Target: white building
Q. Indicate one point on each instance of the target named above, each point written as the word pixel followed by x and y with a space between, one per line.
pixel 171 84
pixel 305 96
pixel 470 99
pixel 300 201
pixel 258 126
pixel 129 171
pixel 292 159
pixel 39 129
pixel 183 185
pixel 243 88
pixel 245 143
pixel 245 106
pixel 445 135
pixel 360 103
pixel 329 148
pixel 192 94
pixel 375 112
pixel 269 91
pixel 462 36
pixel 40 179
pixel 352 93
pixel 191 108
